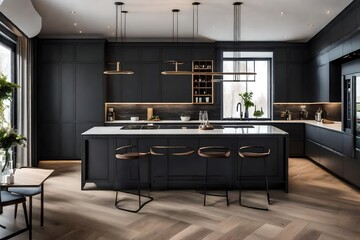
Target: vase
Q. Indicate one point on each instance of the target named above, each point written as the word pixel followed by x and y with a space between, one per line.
pixel 6 163
pixel 246 113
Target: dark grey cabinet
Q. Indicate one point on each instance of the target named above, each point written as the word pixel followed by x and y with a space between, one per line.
pixel 296 137
pixel 70 95
pixel 100 166
pixel 97 166
pixel 288 74
pixel 326 147
pixel 351 169
pixel 148 85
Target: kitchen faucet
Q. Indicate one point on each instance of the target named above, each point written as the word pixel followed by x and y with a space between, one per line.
pixel 237 109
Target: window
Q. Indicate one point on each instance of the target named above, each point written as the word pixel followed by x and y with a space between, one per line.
pixel 259 85
pixel 6 68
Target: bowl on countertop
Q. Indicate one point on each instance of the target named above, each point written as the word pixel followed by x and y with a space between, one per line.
pixel 134 119
pixel 185 118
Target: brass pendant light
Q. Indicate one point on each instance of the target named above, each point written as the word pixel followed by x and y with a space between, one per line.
pixel 118 70
pixel 175 37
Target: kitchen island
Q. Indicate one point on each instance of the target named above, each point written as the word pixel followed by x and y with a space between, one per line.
pixel 99 164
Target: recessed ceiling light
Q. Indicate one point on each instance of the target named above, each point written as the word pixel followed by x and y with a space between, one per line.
pixel 75 24
pixel 282 13
pixel 113 34
pixel 310 25
pixel 108 27
pixel 73 12
pixel 80 31
pixel 328 12
pixel 285 37
pixel 213 27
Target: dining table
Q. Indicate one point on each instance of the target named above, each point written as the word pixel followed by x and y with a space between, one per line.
pixel 29 177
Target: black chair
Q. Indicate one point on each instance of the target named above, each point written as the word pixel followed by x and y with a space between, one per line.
pixel 126 153
pixel 30 192
pixel 170 151
pixel 214 152
pixel 7 199
pixel 254 152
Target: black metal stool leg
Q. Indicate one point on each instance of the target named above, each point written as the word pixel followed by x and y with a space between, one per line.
pixel 240 182
pixel 267 182
pixel 206 177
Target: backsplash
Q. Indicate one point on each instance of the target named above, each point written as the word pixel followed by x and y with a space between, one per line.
pixel 164 111
pixel 331 111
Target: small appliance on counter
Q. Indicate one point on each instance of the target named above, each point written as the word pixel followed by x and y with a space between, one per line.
pixel 318 115
pixel 111 114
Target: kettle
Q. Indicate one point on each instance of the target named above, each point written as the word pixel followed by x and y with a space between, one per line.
pixel 318 115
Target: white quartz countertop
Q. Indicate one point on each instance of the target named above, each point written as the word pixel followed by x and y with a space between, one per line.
pixel 336 126
pixel 256 130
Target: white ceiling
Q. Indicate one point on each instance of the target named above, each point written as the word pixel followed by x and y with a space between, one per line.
pixel 151 20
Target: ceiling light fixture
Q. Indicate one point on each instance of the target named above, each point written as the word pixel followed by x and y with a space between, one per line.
pixel 237 39
pixel 175 38
pixel 118 70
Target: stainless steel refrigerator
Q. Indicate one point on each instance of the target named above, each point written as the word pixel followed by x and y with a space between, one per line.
pixel 351 107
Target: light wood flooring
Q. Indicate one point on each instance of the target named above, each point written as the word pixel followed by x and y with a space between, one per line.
pixel 318 206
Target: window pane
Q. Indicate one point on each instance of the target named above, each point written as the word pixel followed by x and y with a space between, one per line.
pixel 259 85
pixel 5 68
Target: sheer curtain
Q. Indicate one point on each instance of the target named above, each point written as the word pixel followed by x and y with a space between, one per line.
pixel 24 112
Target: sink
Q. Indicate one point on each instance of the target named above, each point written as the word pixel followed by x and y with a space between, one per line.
pixel 134 127
pixel 184 126
pixel 238 126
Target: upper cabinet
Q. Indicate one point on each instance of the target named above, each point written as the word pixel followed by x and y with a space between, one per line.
pixel 148 85
pixel 289 74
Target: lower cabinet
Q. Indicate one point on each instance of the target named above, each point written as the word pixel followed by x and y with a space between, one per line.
pixel 328 158
pixel 101 169
pixel 351 170
pixel 97 165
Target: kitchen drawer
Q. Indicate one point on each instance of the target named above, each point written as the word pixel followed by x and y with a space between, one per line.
pixel 312 133
pixel 331 139
pixel 312 150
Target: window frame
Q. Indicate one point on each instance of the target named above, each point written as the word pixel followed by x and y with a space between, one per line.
pixel 10 43
pixel 270 87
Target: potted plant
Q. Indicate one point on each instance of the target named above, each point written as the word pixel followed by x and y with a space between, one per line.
pixel 8 136
pixel 246 98
pixel 258 113
pixel 8 139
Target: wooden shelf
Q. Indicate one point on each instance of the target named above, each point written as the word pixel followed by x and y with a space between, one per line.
pixel 205 85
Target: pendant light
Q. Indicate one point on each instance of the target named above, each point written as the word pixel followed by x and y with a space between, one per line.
pixel 118 70
pixel 237 39
pixel 175 38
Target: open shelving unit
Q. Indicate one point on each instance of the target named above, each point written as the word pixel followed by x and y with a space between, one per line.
pixel 202 85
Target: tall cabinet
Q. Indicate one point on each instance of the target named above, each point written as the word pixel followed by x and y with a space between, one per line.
pixel 202 83
pixel 70 95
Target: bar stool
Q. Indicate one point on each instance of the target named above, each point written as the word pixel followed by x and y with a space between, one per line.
pixel 254 152
pixel 123 154
pixel 214 152
pixel 171 151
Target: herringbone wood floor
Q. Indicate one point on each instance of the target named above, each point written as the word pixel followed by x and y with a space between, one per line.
pixel 318 206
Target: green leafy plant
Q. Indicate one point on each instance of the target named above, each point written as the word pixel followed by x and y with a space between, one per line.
pixel 6 93
pixel 8 139
pixel 8 136
pixel 258 113
pixel 246 97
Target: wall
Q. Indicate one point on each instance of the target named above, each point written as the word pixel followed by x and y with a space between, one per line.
pixel 332 111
